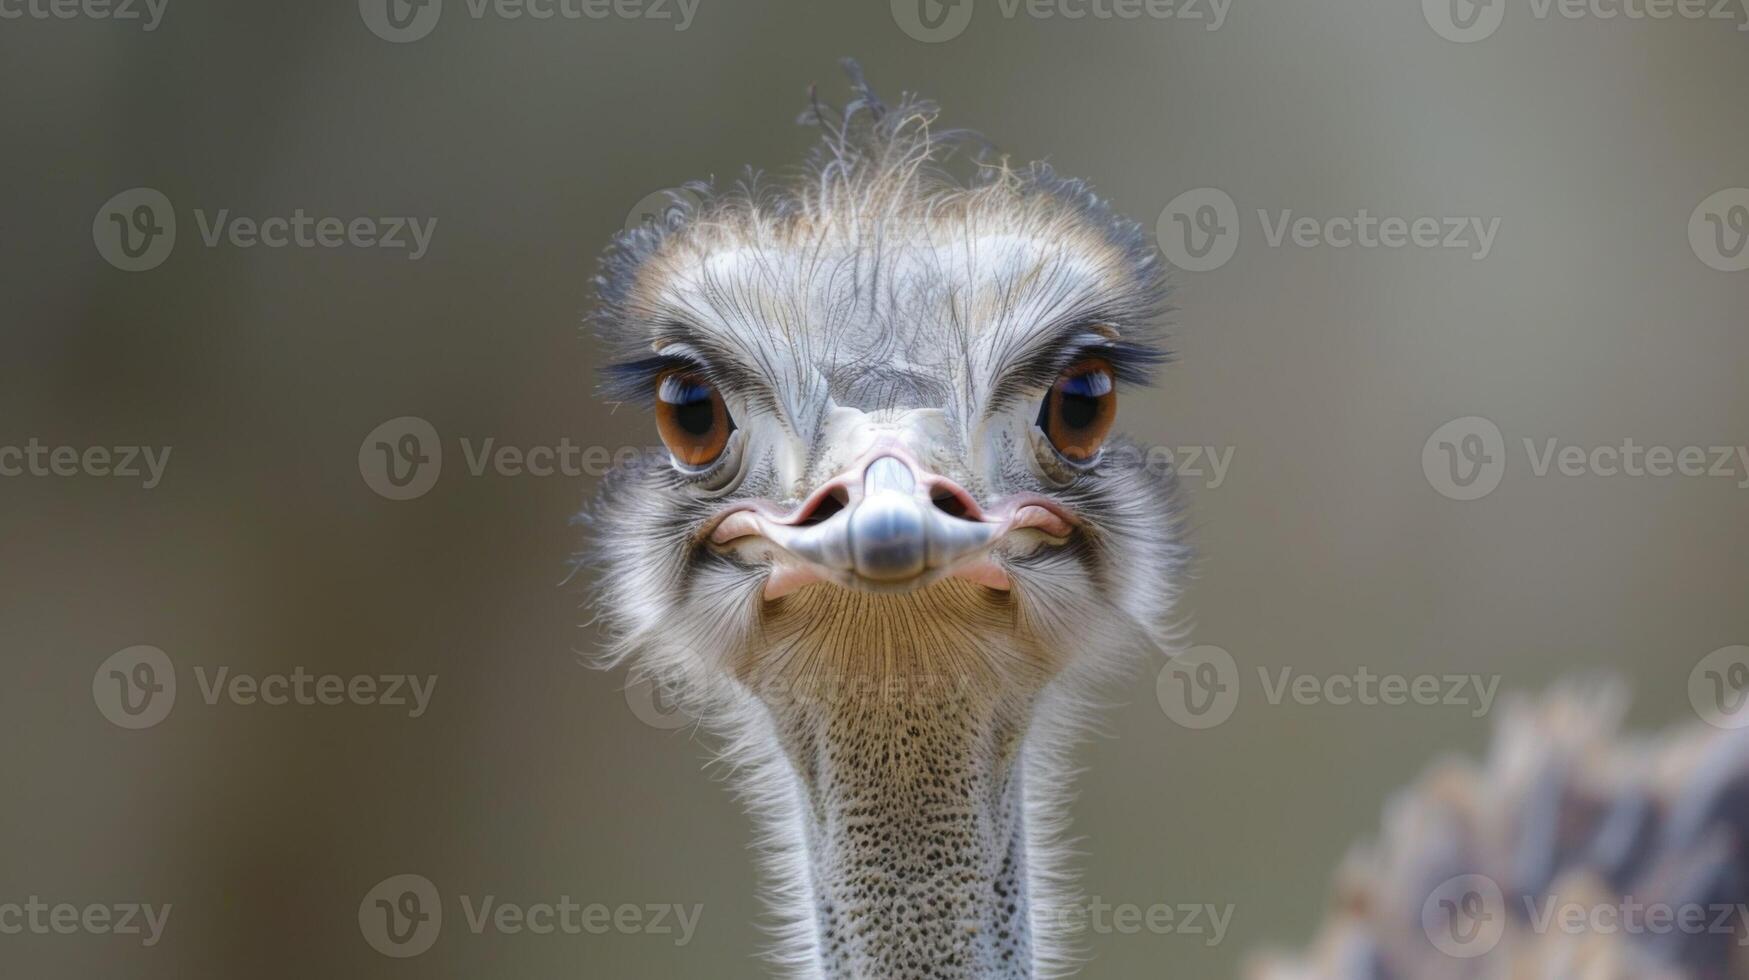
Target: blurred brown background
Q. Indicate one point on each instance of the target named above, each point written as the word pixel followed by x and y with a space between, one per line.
pixel 1324 371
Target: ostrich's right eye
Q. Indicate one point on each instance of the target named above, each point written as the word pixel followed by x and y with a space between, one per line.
pixel 691 418
pixel 1077 413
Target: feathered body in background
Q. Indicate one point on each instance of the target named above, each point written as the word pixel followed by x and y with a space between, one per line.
pixel 1570 853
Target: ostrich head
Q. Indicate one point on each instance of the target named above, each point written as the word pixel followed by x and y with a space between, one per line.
pixel 895 538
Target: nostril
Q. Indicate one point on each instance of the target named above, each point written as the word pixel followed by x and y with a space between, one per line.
pixel 828 505
pixel 951 503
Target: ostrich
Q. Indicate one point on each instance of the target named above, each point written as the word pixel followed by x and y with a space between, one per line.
pixel 895 545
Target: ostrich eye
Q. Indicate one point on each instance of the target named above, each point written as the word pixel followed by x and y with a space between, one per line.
pixel 1078 412
pixel 691 418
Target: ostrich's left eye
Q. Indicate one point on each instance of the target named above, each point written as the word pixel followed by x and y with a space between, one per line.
pixel 691 418
pixel 1078 412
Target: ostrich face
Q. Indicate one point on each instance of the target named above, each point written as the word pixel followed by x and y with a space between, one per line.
pixel 888 400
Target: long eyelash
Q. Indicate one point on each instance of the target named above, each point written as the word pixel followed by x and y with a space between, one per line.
pixel 635 381
pixel 1131 363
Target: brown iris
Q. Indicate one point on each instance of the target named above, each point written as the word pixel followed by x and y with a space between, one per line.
pixel 1078 412
pixel 691 417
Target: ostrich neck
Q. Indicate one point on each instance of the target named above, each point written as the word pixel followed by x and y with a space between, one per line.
pixel 913 827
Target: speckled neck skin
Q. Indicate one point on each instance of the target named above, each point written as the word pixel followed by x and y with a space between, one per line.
pixel 916 842
pixel 908 767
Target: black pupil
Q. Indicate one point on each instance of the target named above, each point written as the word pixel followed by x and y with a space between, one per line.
pixel 1079 411
pixel 696 415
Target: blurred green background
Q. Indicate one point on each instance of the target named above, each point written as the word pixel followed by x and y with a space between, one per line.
pixel 1325 548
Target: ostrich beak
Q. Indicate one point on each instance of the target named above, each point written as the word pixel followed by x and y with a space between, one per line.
pixel 886 525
